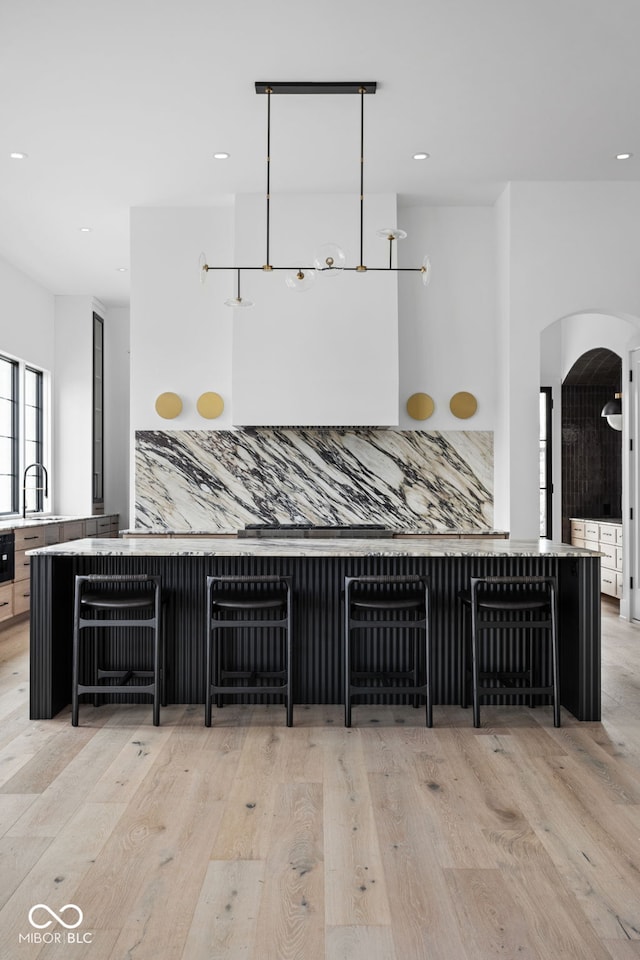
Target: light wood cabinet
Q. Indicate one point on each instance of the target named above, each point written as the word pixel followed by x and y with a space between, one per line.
pixel 6 601
pixel 15 595
pixel 605 538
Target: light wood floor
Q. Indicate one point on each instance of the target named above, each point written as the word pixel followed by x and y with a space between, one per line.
pixel 384 842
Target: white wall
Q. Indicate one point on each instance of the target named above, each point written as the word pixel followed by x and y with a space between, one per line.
pixel 500 276
pixel 73 404
pixel 116 413
pixel 27 313
pixel 573 249
pixel 180 329
pixel 449 330
pixel 328 356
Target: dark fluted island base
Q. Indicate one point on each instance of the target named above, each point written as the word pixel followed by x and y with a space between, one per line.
pixel 317 584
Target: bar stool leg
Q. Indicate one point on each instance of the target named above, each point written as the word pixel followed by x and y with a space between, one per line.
pixel 475 666
pixel 555 663
pixel 428 658
pixel 347 655
pixel 208 628
pixel 75 672
pixel 289 660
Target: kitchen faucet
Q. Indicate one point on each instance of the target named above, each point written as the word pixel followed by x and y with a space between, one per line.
pixel 45 489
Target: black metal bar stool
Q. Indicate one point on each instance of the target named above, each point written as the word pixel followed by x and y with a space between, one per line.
pixel 385 604
pixel 112 603
pixel 523 608
pixel 236 665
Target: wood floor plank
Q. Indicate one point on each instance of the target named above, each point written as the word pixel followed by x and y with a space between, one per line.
pixel 603 878
pixel 420 904
pixel 291 922
pixel 51 752
pixel 622 949
pixel 360 943
pixel 18 855
pixel 489 922
pixel 245 831
pixel 387 841
pixel 226 914
pixel 56 876
pixel 66 794
pixel 150 875
pixel 355 890
pixel 12 807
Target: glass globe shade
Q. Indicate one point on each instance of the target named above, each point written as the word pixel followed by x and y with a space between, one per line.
pixel 426 271
pixel 329 260
pixel 301 280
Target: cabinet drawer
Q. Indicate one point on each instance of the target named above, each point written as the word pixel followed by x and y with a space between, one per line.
pixel 619 558
pixel 576 542
pixel 577 530
pixel 608 582
pixel 28 538
pixel 592 531
pixel 21 597
pixel 619 536
pixel 23 565
pixel 607 533
pixel 52 533
pixel 73 530
pixel 6 601
pixel 608 552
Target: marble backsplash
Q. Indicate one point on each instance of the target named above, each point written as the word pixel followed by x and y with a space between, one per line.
pixel 412 480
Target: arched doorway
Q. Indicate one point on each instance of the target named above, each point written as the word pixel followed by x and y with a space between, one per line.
pixel 591 448
pixel 562 343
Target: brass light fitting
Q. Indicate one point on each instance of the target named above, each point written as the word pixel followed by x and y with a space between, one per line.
pixel 330 260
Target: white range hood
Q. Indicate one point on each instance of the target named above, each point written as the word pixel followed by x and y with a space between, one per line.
pixel 327 357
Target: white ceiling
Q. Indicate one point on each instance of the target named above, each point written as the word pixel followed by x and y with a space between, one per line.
pixel 122 103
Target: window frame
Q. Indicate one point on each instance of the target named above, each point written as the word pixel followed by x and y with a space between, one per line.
pixel 14 436
pixel 20 369
pixel 548 481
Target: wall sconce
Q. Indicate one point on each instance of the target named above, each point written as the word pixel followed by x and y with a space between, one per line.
pixel 612 411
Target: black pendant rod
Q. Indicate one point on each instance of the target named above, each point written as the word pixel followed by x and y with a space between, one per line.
pixel 268 92
pixel 238 295
pixel 362 92
pixel 345 269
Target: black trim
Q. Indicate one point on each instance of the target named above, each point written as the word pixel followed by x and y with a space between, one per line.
pixel 314 88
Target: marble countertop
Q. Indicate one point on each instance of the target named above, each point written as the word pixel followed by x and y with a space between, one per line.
pixel 222 532
pixel 614 520
pixel 207 547
pixel 40 520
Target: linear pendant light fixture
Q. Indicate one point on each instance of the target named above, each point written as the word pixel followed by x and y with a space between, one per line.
pixel 329 259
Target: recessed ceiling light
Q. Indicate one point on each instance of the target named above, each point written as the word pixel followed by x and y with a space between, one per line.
pixel 421 156
pixel 221 156
pixel 121 269
pixel 17 155
pixel 84 229
pixel 623 156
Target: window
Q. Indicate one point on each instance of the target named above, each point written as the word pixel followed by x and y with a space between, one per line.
pixel 8 435
pixel 546 484
pixel 33 431
pixel 22 435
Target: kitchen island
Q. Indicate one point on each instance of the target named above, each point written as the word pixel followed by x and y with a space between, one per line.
pixel 318 568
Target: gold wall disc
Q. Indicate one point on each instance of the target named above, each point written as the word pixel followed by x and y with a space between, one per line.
pixel 168 405
pixel 420 406
pixel 210 405
pixel 463 405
